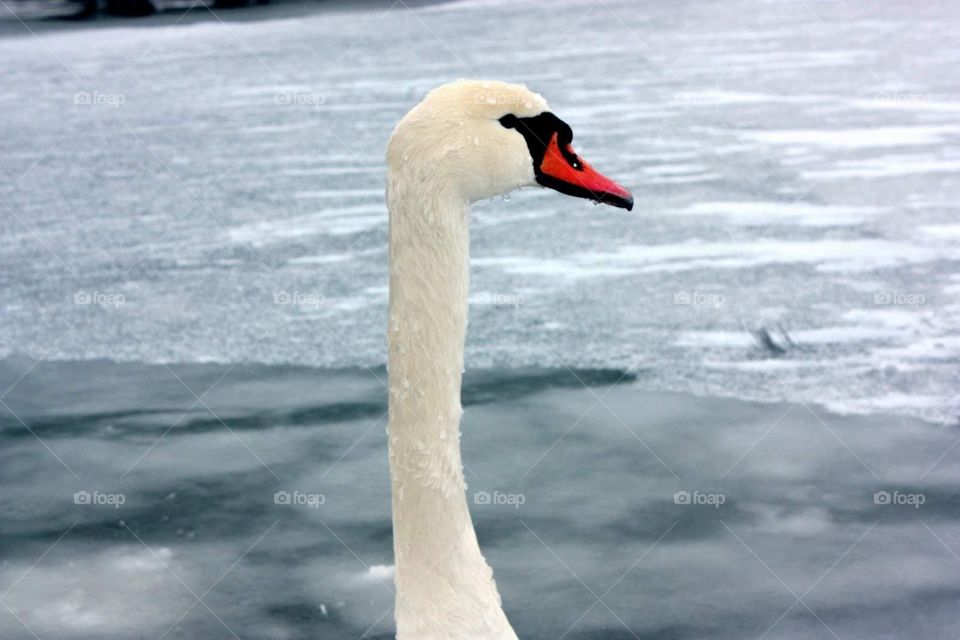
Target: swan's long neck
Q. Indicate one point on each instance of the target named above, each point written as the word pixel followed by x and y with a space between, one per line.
pixel 445 588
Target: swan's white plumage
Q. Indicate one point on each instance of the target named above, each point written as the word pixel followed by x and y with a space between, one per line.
pixel 448 151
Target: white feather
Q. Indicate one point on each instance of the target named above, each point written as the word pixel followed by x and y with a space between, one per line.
pixel 448 151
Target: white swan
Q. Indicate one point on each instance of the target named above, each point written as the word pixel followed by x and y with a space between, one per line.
pixel 466 141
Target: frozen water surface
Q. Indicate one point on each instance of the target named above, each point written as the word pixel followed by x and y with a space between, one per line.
pixel 203 194
pixel 798 165
pixel 591 505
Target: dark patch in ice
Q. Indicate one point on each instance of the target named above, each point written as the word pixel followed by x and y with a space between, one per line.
pixel 482 386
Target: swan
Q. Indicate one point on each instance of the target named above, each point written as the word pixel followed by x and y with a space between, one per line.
pixel 465 141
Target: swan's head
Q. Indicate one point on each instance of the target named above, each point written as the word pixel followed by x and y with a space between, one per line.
pixel 481 139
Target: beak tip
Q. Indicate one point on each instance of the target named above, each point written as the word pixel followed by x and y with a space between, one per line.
pixel 618 200
pixel 624 201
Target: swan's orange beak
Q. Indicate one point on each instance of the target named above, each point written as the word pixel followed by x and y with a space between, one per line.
pixel 564 171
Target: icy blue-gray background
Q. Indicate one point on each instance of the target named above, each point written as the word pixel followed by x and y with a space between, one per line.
pixel 791 162
pixel 194 243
